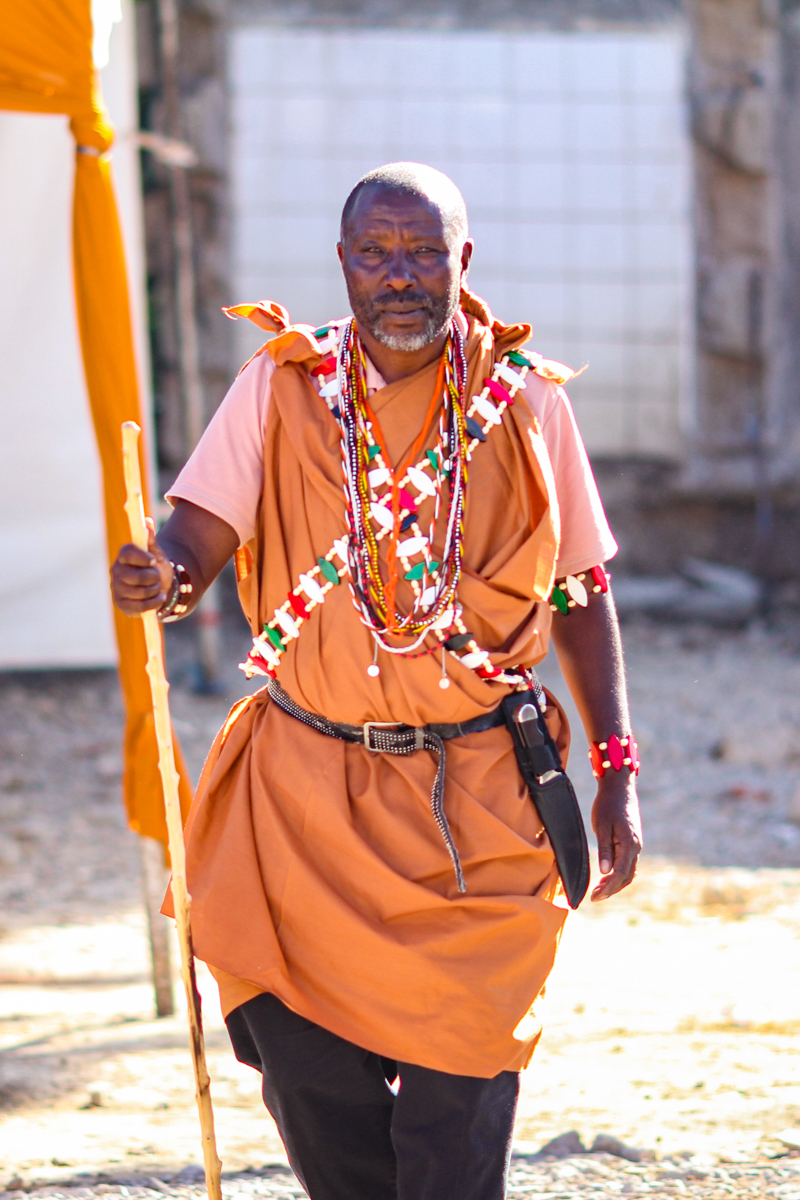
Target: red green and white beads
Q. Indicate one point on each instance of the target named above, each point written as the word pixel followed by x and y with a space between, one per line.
pixel 573 592
pixel 422 481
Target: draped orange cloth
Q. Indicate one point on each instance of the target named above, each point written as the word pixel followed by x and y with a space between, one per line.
pixel 46 66
pixel 316 868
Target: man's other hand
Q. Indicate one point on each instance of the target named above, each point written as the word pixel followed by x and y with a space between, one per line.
pixel 141 579
pixel 615 817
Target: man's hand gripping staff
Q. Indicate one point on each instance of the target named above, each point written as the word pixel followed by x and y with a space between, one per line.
pixel 158 589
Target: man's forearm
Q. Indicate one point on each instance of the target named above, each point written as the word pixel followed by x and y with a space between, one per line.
pixel 589 649
pixel 200 542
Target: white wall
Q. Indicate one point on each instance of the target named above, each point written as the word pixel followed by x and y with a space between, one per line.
pixel 573 155
pixel 54 601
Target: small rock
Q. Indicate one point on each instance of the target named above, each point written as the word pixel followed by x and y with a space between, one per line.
pixel 743 791
pixel 14 1184
pixel 564 1145
pixel 790 1138
pixel 188 1175
pixel 604 1143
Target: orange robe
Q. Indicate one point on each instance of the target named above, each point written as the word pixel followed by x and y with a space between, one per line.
pixel 316 869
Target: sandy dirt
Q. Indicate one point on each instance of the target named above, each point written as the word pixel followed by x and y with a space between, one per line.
pixel 671 1018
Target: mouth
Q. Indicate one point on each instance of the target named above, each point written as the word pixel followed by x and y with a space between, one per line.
pixel 407 311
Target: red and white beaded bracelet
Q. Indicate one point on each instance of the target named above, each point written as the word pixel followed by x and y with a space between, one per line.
pixel 616 753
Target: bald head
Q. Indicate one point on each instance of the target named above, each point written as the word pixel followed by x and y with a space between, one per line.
pixel 414 180
pixel 404 252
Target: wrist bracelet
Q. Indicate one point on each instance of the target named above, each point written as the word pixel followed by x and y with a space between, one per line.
pixel 179 596
pixel 574 590
pixel 616 753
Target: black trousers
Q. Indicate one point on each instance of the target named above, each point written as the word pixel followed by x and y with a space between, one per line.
pixel 349 1137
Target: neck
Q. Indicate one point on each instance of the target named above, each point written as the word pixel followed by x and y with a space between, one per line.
pixel 398 364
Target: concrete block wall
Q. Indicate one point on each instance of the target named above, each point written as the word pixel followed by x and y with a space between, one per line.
pixel 572 150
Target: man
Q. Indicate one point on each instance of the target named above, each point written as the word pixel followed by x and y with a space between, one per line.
pixel 401 490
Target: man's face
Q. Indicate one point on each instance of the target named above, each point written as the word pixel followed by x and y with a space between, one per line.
pixel 402 268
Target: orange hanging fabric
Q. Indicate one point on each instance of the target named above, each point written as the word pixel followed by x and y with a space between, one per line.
pixel 46 66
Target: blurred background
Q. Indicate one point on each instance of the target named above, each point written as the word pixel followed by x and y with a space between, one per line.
pixel 632 191
pixel 633 184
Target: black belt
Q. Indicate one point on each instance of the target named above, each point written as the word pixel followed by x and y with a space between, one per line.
pixel 392 737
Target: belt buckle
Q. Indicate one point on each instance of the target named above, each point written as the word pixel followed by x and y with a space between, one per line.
pixel 370 725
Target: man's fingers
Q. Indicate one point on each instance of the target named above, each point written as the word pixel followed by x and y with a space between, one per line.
pixel 137 583
pixel 128 592
pixel 605 853
pixel 152 544
pixel 134 608
pixel 132 556
pixel 133 576
pixel 617 864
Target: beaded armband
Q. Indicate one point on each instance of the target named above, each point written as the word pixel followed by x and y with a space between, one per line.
pixel 574 590
pixel 179 596
pixel 616 753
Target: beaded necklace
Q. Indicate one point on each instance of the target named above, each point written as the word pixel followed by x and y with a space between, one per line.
pixel 485 413
pixel 362 445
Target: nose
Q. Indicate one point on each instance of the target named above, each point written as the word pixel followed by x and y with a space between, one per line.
pixel 399 274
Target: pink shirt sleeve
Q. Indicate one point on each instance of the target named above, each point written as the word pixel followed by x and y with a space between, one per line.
pixel 586 539
pixel 224 474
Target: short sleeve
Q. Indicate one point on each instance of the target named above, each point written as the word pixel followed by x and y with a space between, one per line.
pixel 224 475
pixel 586 538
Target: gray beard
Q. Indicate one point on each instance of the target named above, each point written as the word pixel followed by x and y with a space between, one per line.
pixel 438 318
pixel 411 341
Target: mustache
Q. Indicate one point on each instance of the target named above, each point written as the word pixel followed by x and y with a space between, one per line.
pixel 407 300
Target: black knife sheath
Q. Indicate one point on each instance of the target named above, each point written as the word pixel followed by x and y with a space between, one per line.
pixel 551 792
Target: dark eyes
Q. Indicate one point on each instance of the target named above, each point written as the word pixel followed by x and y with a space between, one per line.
pixel 419 250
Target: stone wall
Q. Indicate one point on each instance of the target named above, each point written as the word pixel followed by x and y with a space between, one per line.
pixel 736 497
pixel 204 107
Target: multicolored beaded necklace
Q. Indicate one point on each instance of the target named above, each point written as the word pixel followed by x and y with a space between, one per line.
pixel 425 478
pixel 365 464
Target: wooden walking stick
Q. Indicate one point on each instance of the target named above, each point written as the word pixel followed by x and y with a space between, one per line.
pixel 159 688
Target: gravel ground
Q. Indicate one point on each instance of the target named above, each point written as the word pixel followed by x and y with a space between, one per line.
pixel 671 1018
pixel 597 1175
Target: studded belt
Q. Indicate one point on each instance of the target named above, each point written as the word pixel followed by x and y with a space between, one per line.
pixel 392 737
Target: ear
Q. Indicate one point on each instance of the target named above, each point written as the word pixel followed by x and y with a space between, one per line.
pixel 466 256
pixel 340 252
